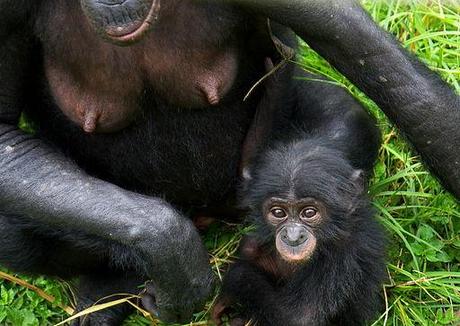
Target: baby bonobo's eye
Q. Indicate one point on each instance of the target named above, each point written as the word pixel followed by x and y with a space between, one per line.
pixel 309 213
pixel 278 212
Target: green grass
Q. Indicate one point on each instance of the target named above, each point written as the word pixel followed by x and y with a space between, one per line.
pixel 421 219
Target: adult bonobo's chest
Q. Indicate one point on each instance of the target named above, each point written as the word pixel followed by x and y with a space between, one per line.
pixel 162 116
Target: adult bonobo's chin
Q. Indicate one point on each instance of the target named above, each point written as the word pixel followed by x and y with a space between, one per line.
pixel 122 21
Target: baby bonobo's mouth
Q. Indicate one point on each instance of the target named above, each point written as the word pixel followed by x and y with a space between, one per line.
pixel 122 21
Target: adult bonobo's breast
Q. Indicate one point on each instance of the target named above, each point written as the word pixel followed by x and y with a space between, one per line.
pixel 189 157
pixel 190 57
pixel 161 116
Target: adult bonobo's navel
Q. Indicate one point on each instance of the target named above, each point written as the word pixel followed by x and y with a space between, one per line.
pixel 122 21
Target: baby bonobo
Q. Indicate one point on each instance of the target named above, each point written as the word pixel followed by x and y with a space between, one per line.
pixel 316 255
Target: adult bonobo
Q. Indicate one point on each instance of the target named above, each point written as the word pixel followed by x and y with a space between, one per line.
pixel 130 139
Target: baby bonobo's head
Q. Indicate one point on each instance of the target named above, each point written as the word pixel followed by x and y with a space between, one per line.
pixel 303 198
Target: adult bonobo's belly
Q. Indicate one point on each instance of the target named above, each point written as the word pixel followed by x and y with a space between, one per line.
pixel 189 156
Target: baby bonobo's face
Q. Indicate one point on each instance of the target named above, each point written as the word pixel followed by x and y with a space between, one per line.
pixel 294 221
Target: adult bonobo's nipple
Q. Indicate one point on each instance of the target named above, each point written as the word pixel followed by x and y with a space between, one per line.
pixel 97 104
pixel 217 79
pixel 90 121
pixel 106 117
pixel 211 89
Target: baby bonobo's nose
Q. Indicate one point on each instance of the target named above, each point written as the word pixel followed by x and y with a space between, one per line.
pixel 294 235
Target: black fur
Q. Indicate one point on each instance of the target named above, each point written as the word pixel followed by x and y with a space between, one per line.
pixel 74 203
pixel 321 145
pixel 415 99
pixel 340 283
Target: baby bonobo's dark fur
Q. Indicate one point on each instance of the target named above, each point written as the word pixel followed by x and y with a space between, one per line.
pixel 316 255
pixel 310 189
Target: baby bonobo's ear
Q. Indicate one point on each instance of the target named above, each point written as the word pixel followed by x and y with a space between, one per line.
pixel 358 178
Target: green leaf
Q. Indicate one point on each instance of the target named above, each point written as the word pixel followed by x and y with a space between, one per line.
pixel 443 257
pixel 3 295
pixel 379 170
pixel 431 255
pixel 2 315
pixel 418 248
pixel 456 243
pixel 425 232
pixel 438 244
pixel 29 318
pixel 442 219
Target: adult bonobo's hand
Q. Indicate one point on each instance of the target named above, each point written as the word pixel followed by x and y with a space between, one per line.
pixel 177 264
pixel 425 109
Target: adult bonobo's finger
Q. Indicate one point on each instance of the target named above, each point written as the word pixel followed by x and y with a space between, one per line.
pixel 122 21
pixel 424 107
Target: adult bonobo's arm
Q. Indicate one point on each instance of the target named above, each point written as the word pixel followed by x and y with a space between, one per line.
pixel 425 109
pixel 38 182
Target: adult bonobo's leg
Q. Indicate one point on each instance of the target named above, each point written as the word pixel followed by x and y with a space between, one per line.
pixel 39 183
pixel 425 109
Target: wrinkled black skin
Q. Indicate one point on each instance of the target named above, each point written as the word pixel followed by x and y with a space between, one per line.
pixel 117 204
pixel 313 156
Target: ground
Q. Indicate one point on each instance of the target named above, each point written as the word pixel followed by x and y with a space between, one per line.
pixel 421 219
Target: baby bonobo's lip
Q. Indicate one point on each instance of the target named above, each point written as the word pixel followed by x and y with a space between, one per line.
pixel 122 22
